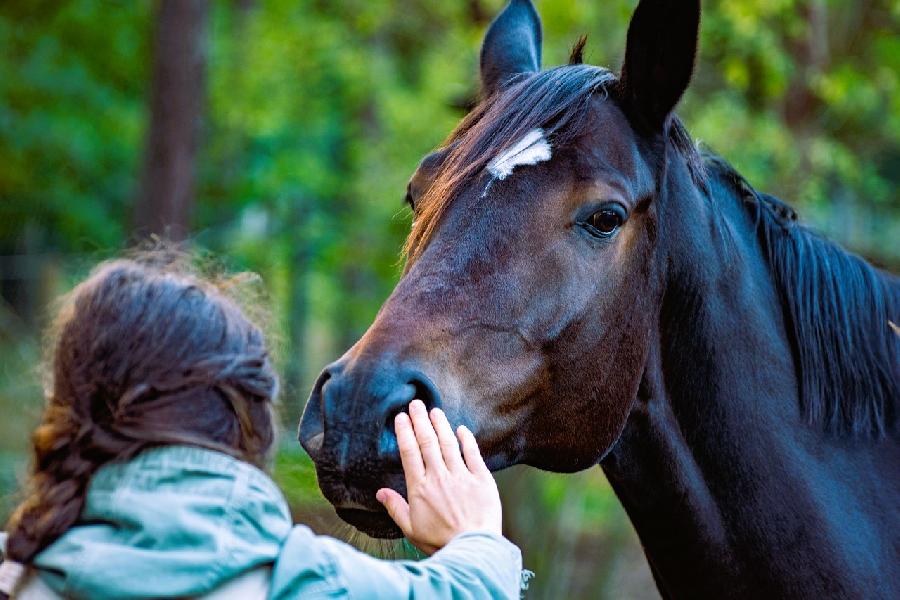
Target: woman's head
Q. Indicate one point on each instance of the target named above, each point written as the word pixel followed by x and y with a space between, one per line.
pixel 145 354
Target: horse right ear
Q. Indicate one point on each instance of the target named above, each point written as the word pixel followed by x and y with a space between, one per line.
pixel 659 58
pixel 511 46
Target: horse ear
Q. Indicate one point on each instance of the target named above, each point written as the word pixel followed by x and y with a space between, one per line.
pixel 511 46
pixel 659 58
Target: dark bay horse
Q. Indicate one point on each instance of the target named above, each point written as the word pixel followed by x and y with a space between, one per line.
pixel 583 287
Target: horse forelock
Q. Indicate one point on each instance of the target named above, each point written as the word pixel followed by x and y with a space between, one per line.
pixel 554 102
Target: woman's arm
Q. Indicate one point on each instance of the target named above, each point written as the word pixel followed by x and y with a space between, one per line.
pixel 474 565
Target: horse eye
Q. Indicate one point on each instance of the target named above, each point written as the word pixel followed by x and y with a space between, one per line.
pixel 606 220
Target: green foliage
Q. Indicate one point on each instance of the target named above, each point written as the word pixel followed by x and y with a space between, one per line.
pixel 71 118
pixel 317 113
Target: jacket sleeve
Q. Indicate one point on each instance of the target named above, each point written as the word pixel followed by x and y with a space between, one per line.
pixel 473 565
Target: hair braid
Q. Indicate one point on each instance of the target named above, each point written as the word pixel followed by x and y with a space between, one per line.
pixel 146 356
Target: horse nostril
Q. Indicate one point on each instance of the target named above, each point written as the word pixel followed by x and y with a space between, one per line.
pixel 311 432
pixel 314 444
pixel 426 392
pixel 417 388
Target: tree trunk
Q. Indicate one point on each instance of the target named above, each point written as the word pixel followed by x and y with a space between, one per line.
pixel 166 197
pixel 296 389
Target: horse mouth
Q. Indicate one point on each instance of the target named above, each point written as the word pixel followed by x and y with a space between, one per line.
pixel 374 523
pixel 356 505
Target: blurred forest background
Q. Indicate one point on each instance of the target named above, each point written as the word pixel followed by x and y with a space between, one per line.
pixel 279 135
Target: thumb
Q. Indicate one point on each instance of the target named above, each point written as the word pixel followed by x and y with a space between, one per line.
pixel 396 507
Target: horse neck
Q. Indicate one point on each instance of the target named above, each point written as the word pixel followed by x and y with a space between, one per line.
pixel 716 468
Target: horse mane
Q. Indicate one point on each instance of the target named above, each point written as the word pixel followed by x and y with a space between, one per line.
pixel 838 311
pixel 556 100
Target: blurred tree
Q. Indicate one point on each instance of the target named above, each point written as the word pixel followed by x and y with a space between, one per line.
pixel 164 205
pixel 72 83
pixel 73 78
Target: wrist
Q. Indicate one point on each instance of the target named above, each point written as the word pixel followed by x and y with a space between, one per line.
pixel 476 532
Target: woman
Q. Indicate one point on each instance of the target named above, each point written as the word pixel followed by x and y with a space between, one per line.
pixel 147 477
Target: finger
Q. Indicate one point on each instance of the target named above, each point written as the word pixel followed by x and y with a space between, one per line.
pixel 472 454
pixel 425 435
pixel 410 456
pixel 446 439
pixel 396 507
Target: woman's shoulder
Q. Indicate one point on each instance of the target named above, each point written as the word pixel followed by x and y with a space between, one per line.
pixel 198 515
pixel 180 466
pixel 169 488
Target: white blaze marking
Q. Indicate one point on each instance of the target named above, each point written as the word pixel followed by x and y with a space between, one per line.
pixel 530 150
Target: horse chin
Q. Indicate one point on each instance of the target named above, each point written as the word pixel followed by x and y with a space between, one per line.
pixel 352 495
pixel 376 524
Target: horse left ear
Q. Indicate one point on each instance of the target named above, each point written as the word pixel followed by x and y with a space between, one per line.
pixel 512 45
pixel 659 59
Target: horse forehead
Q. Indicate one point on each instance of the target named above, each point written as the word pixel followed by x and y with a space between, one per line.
pixel 606 140
pixel 609 144
pixel 532 149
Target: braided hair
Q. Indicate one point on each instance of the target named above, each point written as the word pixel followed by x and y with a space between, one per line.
pixel 147 355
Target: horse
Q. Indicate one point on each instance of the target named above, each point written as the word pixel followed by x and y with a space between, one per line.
pixel 584 286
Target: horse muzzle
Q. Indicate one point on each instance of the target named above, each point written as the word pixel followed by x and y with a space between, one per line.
pixel 347 429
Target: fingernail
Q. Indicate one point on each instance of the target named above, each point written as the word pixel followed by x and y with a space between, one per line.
pixel 401 419
pixel 379 495
pixel 416 405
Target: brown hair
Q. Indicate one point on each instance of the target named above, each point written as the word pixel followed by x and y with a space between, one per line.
pixel 146 354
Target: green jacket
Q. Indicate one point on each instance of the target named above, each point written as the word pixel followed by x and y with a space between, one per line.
pixel 180 521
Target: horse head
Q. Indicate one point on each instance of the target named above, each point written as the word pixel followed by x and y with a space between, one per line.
pixel 532 280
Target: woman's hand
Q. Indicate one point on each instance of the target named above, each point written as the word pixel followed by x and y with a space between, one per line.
pixel 447 496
